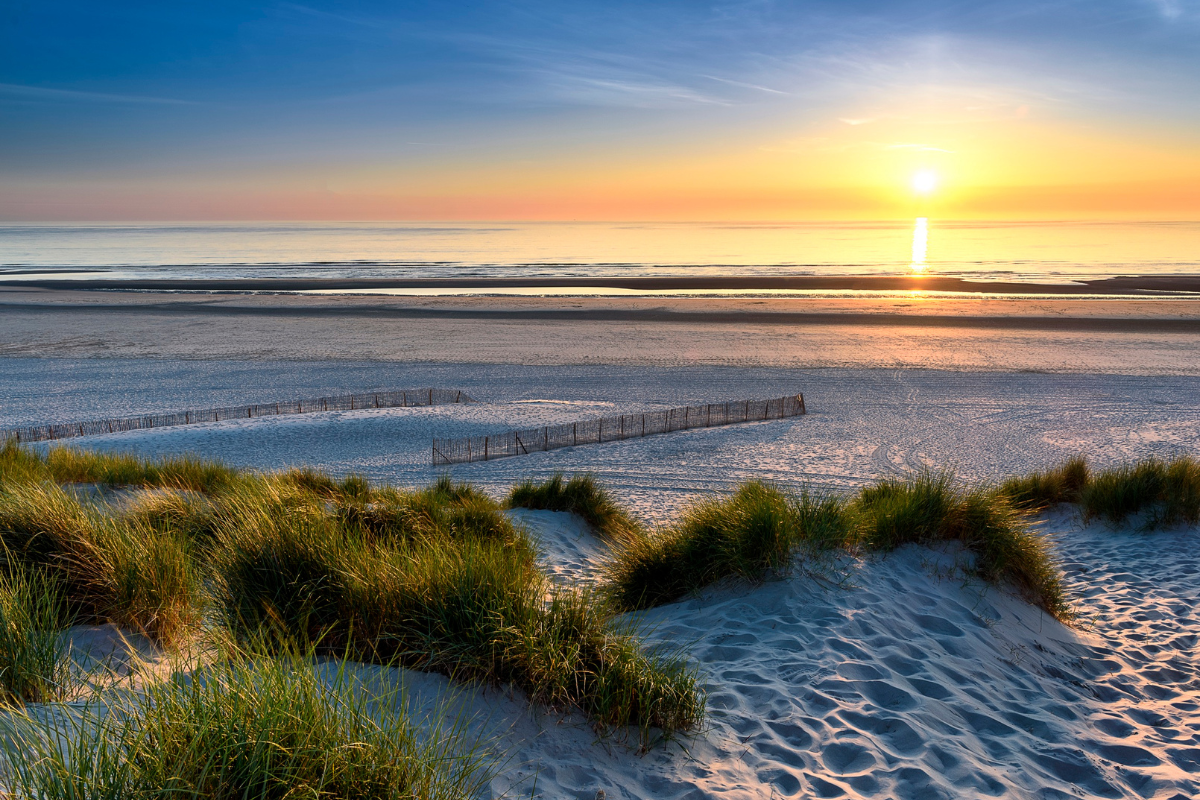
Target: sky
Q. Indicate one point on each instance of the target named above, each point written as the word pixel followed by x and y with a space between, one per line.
pixel 757 110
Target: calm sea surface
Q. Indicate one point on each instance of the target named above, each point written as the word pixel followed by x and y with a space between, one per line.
pixel 1050 252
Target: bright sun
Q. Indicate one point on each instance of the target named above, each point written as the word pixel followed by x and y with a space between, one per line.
pixel 924 181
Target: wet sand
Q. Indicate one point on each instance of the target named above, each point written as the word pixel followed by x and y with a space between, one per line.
pixel 1156 285
pixel 1053 334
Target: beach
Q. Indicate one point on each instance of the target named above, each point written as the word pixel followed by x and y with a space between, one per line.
pixel 1138 336
pixel 887 675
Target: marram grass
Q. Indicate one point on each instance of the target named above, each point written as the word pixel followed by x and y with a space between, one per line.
pixel 262 727
pixel 1038 490
pixel 464 601
pixel 109 568
pixel 760 527
pixel 34 654
pixel 755 530
pixel 1167 492
pixel 583 495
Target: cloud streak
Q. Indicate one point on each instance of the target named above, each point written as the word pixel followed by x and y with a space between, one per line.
pixel 73 95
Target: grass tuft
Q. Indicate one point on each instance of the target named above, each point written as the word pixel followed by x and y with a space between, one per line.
pixel 473 607
pixel 1170 491
pixel 109 569
pixel 753 531
pixel 262 728
pixel 583 495
pixel 1038 490
pixel 33 651
pixel 760 528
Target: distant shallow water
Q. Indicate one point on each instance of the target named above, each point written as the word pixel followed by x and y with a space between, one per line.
pixel 1032 252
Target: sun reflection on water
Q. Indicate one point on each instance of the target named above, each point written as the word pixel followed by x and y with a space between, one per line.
pixel 920 242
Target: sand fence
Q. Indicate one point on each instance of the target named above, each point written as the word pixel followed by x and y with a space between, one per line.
pixel 347 402
pixel 611 429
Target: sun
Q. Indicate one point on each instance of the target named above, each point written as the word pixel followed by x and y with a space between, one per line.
pixel 924 181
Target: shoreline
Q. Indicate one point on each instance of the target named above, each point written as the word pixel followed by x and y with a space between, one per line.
pixel 986 333
pixel 1154 285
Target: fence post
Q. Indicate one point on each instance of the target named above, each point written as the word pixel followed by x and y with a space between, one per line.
pixel 430 396
pixel 485 448
pixel 574 433
pixel 802 409
pixel 643 424
pixel 546 437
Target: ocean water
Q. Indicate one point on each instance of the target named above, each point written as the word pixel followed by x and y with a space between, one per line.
pixel 1047 252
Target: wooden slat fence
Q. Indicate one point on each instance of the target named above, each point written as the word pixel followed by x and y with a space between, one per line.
pixel 346 402
pixel 609 429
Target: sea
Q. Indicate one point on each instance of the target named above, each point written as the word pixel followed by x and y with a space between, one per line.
pixel 1034 252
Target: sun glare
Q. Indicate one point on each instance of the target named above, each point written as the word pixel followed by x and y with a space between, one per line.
pixel 924 181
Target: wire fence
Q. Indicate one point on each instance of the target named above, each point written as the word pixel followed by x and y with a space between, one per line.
pixel 611 429
pixel 347 402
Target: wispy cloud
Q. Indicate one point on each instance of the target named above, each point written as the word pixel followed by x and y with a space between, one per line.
pixel 745 85
pixel 72 95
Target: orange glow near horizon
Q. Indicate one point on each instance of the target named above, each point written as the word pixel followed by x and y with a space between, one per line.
pixel 1002 169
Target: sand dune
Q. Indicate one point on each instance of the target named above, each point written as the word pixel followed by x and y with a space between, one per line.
pixel 893 676
pixel 898 677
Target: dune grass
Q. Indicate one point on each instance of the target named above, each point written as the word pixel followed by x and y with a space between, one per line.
pixel 931 507
pixel 760 528
pixel 109 568
pixel 33 651
pixel 435 579
pixel 753 531
pixel 1168 491
pixel 447 593
pixel 73 465
pixel 251 728
pixel 1038 490
pixel 582 495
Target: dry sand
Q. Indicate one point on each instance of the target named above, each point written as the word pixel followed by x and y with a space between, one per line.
pixel 898 677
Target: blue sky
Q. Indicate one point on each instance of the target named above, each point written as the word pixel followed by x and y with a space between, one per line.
pixel 136 95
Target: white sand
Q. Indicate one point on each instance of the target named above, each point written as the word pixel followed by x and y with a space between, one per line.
pixel 863 423
pixel 905 679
